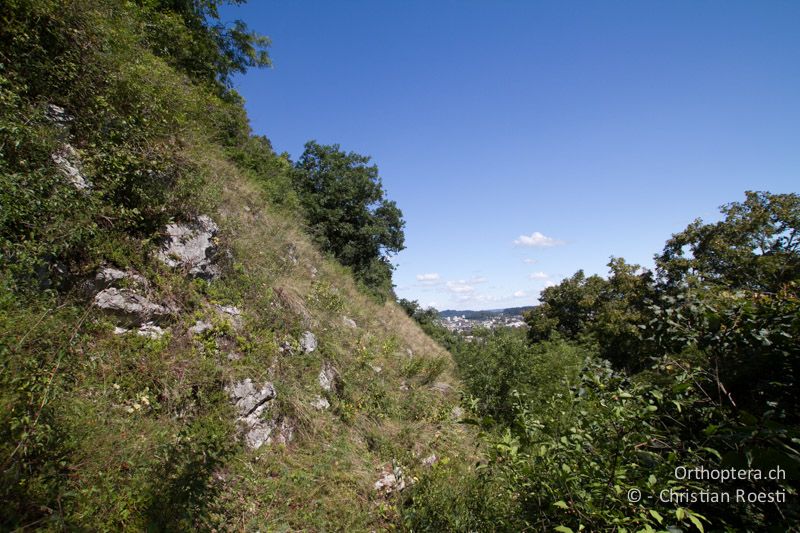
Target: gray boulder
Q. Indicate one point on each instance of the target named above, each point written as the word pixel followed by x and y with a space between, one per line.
pixel 308 342
pixel 252 403
pixel 131 306
pixel 192 246
pixel 69 163
pixel 113 277
pixel 329 378
pixel 58 115
pixel 250 399
pixel 320 404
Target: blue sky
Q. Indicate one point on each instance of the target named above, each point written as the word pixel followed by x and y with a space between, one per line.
pixel 526 140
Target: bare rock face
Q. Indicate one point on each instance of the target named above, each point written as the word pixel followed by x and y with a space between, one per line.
pixel 151 331
pixel 308 342
pixel 192 246
pixel 58 115
pixel 329 378
pixel 252 403
pixel 320 404
pixel 391 480
pixel 250 399
pixel 69 163
pixel 110 277
pixel 130 306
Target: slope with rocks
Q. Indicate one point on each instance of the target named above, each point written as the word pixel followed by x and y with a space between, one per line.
pixel 176 352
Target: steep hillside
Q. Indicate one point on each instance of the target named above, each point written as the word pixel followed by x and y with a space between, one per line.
pixel 176 353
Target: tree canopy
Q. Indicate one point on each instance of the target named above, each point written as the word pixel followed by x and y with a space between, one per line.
pixel 348 212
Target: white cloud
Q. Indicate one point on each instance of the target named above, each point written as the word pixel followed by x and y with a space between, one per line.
pixel 433 276
pixel 550 284
pixel 529 261
pixel 537 239
pixel 538 275
pixel 520 294
pixel 459 287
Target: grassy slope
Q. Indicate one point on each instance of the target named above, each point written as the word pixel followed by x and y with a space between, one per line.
pixel 107 431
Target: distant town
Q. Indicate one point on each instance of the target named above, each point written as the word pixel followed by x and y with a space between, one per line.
pixel 466 321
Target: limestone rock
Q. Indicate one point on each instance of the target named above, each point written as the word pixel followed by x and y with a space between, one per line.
pixel 391 480
pixel 151 331
pixel 58 115
pixel 329 378
pixel 430 460
pixel 308 342
pixel 320 404
pixel 200 327
pixel 130 306
pixel 248 398
pixel 112 277
pixel 69 163
pixel 192 246
pixel 349 322
pixel 251 404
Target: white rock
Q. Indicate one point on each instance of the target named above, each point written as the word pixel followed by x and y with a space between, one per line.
pixel 249 398
pixel 58 115
pixel 201 326
pixel 129 305
pixel 69 163
pixel 320 404
pixel 430 460
pixel 151 331
pixel 191 246
pixel 377 369
pixel 328 377
pixel 308 342
pixel 349 322
pixel 119 331
pixel 109 276
pixel 391 481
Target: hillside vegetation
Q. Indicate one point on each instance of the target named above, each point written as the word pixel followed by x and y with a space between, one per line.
pixel 118 132
pixel 197 333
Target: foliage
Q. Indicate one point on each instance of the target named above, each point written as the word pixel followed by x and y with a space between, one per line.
pixel 756 247
pixel 696 366
pixel 348 213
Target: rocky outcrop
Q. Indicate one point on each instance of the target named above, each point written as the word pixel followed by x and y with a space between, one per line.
pixel 130 306
pixel 320 403
pixel 109 276
pixel 192 247
pixel 69 163
pixel 308 342
pixel 252 404
pixel 329 378
pixel 58 115
pixel 392 480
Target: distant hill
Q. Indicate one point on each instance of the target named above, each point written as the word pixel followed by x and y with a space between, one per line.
pixel 481 315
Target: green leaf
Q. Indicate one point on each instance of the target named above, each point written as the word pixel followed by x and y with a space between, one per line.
pixel 696 523
pixel 562 504
pixel 657 516
pixel 564 529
